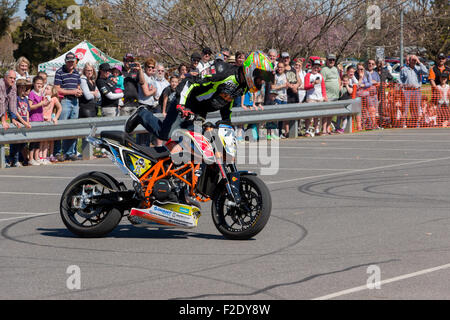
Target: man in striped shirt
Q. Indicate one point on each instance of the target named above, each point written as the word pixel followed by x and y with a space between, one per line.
pixel 67 83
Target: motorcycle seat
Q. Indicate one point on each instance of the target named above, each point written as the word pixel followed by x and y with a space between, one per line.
pixel 126 140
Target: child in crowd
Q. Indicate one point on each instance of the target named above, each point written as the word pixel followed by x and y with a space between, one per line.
pixel 37 102
pixel 118 79
pixel 397 110
pixel 51 113
pixel 44 77
pixel 18 150
pixel 443 100
pixel 430 113
pixel 248 103
pixel 345 93
pixel 168 94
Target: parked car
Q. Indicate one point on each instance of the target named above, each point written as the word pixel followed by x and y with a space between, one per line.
pixel 392 61
pixel 396 72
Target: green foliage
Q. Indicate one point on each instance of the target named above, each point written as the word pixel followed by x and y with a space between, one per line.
pixel 44 34
pixel 39 37
pixel 99 31
pixel 7 9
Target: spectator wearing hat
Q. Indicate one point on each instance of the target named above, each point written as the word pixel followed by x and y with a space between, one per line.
pixel 292 78
pixel 205 63
pixel 107 88
pixel 193 70
pixel 293 83
pixel 17 151
pixel 68 85
pixel 219 64
pixel 332 81
pixel 8 96
pixel 435 76
pixel 438 69
pixel 117 78
pixel 231 59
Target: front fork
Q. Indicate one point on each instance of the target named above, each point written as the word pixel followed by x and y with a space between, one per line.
pixel 232 182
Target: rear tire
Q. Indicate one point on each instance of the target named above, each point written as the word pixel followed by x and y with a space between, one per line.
pixel 247 221
pixel 89 222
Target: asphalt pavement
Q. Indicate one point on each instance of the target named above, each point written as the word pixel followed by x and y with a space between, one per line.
pixel 355 216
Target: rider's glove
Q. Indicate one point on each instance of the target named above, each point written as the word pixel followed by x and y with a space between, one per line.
pixel 185 113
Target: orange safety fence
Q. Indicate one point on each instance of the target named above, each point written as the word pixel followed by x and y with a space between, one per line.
pixel 393 105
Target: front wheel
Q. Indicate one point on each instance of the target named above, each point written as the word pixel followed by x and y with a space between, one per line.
pixel 247 220
pixel 79 212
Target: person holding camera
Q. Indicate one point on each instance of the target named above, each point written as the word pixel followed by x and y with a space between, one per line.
pixel 132 77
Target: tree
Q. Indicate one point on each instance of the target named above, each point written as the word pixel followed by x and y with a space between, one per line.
pixel 45 33
pixel 39 36
pixel 7 9
pixel 428 25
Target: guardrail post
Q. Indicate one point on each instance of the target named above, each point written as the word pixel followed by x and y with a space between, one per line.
pixel 87 151
pixel 2 156
pixel 349 127
pixel 293 129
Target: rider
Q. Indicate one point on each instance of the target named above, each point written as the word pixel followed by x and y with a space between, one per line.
pixel 208 94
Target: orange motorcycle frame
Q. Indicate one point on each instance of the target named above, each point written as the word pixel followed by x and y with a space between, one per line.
pixel 164 168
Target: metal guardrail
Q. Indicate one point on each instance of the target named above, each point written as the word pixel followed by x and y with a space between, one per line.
pixel 79 128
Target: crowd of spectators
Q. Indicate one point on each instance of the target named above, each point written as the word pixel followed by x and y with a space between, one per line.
pixel 115 90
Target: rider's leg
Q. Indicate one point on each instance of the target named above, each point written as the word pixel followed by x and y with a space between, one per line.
pixel 171 122
pixel 146 118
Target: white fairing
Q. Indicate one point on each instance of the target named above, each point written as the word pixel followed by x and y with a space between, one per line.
pixel 227 136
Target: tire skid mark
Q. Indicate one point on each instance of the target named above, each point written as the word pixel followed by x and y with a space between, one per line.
pixel 195 273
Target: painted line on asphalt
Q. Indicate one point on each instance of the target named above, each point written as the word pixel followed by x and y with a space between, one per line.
pixel 379 283
pixel 35 177
pixel 354 158
pixel 46 177
pixel 30 193
pixel 357 170
pixel 349 148
pixel 29 215
pixel 22 213
pixel 83 165
pixel 375 140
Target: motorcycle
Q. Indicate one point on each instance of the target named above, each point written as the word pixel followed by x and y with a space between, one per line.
pixel 169 187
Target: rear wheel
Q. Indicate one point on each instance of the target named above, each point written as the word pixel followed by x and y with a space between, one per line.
pixel 83 217
pixel 247 220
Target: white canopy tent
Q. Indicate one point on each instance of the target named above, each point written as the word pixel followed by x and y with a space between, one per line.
pixel 86 52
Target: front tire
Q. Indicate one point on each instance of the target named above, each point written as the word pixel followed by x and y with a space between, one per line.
pixel 251 217
pixel 82 218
